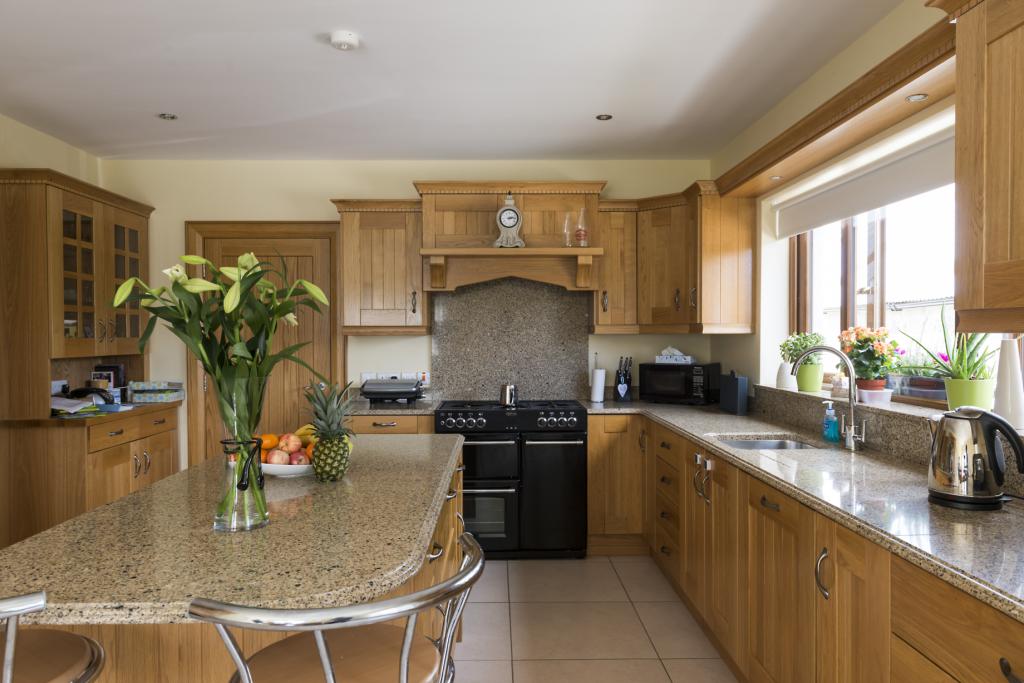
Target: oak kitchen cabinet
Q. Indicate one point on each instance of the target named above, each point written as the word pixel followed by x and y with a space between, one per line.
pixel 380 423
pixel 67 245
pixel 382 269
pixel 615 300
pixel 989 173
pixel 615 472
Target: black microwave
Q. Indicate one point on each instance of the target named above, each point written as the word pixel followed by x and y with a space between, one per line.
pixel 686 384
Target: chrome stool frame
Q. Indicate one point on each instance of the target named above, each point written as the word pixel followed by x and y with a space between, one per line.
pixel 19 605
pixel 449 596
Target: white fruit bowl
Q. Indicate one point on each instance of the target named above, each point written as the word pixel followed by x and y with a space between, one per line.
pixel 286 471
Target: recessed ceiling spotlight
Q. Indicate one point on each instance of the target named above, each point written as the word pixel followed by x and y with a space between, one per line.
pixel 775 178
pixel 345 40
pixel 603 117
pixel 917 97
pixel 167 116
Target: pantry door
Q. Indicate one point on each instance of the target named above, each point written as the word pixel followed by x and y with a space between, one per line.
pixel 308 254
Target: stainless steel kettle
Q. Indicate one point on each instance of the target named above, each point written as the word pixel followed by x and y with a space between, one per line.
pixel 967 467
pixel 508 396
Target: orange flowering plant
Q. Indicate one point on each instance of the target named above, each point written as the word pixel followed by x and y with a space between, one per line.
pixel 871 351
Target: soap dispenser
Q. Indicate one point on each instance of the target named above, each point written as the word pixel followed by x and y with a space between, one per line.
pixel 830 425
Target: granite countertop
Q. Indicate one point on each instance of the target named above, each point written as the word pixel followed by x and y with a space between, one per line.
pixel 882 498
pixel 424 406
pixel 140 559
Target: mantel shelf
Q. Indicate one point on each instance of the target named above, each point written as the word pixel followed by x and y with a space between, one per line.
pixel 452 267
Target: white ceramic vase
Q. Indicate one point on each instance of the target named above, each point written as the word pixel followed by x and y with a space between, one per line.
pixel 1009 385
pixel 784 378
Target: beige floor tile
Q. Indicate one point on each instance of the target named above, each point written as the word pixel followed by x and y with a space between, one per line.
pixel 674 632
pixel 590 580
pixel 627 559
pixel 485 633
pixel 590 671
pixel 643 580
pixel 493 585
pixel 699 671
pixel 581 630
pixel 483 672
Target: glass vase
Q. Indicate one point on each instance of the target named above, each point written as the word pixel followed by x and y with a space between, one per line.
pixel 244 504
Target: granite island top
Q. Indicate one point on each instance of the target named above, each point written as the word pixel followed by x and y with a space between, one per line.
pixel 882 498
pixel 140 559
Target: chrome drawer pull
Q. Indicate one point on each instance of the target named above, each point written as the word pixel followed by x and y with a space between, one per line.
pixel 465 491
pixel 696 486
pixel 438 552
pixel 765 503
pixel 451 494
pixel 489 443
pixel 149 461
pixel 414 301
pixel 665 550
pixel 385 424
pixel 116 432
pixel 1007 670
pixel 462 520
pixel 578 442
pixel 160 420
pixel 665 480
pixel 665 515
pixel 460 468
pixel 676 299
pixel 604 301
pixel 666 445
pixel 136 466
pixel 817 573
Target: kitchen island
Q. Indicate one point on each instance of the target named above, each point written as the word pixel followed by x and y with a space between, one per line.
pixel 125 572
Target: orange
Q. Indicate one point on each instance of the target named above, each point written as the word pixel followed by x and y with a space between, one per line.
pixel 263 454
pixel 269 441
pixel 309 450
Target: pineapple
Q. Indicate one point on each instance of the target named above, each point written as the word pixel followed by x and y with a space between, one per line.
pixel 333 445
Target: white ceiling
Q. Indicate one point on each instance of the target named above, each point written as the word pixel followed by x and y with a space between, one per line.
pixel 435 79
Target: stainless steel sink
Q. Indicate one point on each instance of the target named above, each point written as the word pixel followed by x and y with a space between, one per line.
pixel 766 444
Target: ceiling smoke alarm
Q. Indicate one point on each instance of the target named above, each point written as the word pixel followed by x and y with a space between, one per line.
pixel 345 40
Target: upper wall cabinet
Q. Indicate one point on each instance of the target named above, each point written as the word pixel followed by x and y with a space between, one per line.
pixel 615 300
pixel 381 267
pixel 66 247
pixel 695 262
pixel 990 167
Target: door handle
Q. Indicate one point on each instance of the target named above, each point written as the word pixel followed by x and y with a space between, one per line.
pixel 112 334
pixel 665 515
pixel 414 301
pixel 604 301
pixel 136 466
pixel 116 432
pixel 817 574
pixel 666 445
pixel 578 442
pixel 451 494
pixel 693 297
pixel 1007 670
pixel 666 480
pixel 488 443
pixel 438 551
pixel 665 550
pixel 696 486
pixel 160 420
pixel 149 461
pixel 101 329
pixel 465 491
pixel 462 520
pixel 385 424
pixel 677 299
pixel 765 503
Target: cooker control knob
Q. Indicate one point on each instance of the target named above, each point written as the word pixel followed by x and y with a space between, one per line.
pixel 460 422
pixel 481 422
pixel 450 422
pixel 542 422
pixel 562 422
pixel 471 422
pixel 572 421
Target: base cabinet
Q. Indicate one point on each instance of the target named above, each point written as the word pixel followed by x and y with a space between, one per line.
pixel 725 604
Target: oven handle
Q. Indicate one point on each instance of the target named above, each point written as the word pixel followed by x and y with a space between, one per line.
pixel 466 491
pixel 578 442
pixel 489 443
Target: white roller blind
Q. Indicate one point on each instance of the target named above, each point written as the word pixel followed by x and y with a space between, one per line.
pixel 888 180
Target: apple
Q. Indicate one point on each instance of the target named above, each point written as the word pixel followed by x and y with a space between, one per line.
pixel 299 458
pixel 289 443
pixel 277 457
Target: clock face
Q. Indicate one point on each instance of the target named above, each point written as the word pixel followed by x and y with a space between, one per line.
pixel 508 218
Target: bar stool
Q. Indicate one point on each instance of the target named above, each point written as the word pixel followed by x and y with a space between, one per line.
pixel 45 655
pixel 352 640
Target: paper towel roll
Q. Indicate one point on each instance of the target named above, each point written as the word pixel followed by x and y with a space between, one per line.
pixel 1009 385
pixel 597 386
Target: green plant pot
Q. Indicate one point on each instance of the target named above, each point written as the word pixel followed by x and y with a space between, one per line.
pixel 808 377
pixel 971 392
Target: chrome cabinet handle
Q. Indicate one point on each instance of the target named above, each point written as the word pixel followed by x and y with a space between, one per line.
pixel 665 550
pixel 709 465
pixel 578 442
pixel 414 301
pixel 465 491
pixel 149 461
pixel 116 432
pixel 489 443
pixel 462 520
pixel 101 329
pixel 112 334
pixel 604 301
pixel 643 439
pixel 438 552
pixel 696 486
pixel 765 503
pixel 136 466
pixel 666 445
pixel 666 480
pixel 677 299
pixel 817 573
pixel 665 515
pixel 160 420
pixel 693 297
pixel 1007 670
pixel 385 424
pixel 451 495
pixel 460 468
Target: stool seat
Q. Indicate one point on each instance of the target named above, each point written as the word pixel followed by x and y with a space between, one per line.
pixel 368 654
pixel 51 656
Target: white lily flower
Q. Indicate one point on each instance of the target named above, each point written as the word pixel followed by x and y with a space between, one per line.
pixel 291 319
pixel 176 273
pixel 247 261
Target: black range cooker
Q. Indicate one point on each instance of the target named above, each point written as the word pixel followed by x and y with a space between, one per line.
pixel 525 484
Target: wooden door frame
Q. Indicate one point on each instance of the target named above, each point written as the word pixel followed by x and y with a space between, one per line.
pixel 197 232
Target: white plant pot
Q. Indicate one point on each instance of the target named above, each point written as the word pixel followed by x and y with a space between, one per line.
pixel 784 378
pixel 875 397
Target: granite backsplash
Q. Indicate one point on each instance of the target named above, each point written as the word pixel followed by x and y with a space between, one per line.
pixel 510 331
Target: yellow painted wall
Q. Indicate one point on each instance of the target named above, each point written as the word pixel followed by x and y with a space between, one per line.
pixel 24 147
pixel 899 27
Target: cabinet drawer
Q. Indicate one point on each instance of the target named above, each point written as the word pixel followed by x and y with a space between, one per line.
pixel 667 514
pixel 666 480
pixel 910 665
pixel 130 428
pixel 932 616
pixel 669 446
pixel 666 553
pixel 384 424
pixel 774 504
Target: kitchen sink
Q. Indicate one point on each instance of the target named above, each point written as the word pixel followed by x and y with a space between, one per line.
pixel 766 444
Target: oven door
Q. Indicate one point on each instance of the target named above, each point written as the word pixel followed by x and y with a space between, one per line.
pixel 491 456
pixel 491 511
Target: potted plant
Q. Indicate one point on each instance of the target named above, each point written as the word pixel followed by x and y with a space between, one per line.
pixel 228 323
pixel 811 372
pixel 965 367
pixel 874 357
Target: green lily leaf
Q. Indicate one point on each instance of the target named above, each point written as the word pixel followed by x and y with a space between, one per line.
pixel 315 292
pixel 121 295
pixel 198 284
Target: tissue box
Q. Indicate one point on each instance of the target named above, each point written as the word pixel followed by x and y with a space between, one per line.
pixel 673 359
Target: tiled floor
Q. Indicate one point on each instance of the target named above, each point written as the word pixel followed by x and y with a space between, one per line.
pixel 597 620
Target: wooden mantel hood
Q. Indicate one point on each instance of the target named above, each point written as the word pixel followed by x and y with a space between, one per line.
pixel 459 230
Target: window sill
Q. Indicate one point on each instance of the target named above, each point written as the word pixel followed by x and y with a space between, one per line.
pixel 894 408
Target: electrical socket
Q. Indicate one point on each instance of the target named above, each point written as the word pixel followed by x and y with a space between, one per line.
pixel 388 375
pixel 363 376
pixel 410 375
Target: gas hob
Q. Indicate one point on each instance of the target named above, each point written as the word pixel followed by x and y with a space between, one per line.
pixel 490 416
